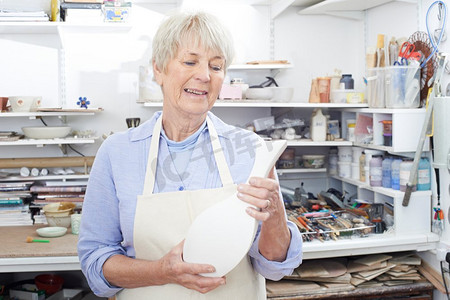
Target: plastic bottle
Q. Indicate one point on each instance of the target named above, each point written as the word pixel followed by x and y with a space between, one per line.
pixel 362 165
pixel 318 126
pixel 376 172
pixel 386 171
pixel 347 82
pixel 332 162
pixel 424 175
pixel 405 170
pixel 395 173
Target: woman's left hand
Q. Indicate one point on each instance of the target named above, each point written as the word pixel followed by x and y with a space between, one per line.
pixel 263 194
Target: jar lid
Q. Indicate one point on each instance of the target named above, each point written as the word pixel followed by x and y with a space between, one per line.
pixel 351 125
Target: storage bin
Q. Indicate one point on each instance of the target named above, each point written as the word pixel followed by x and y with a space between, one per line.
pixel 375 87
pixel 67 294
pixel 402 86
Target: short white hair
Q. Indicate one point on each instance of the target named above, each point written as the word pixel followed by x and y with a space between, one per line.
pixel 200 28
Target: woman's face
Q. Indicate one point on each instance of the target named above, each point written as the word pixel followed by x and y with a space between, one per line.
pixel 192 80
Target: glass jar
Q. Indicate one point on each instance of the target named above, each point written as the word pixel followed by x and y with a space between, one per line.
pixel 347 82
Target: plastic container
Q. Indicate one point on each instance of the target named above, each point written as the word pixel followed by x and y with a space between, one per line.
pixel 387 126
pixel 402 86
pixel 356 154
pixel 386 180
pixel 424 175
pixel 395 174
pixel 376 173
pixel 375 88
pixel 405 170
pixel 347 82
pixel 332 162
pixel 318 126
pixel 387 139
pixel 355 170
pixel 362 164
pixel 344 169
pixel 345 153
pixel 351 132
pixel 313 161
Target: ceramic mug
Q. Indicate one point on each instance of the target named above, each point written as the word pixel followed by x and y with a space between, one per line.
pixel 36 103
pixel 23 103
pixel 4 103
pixel 75 221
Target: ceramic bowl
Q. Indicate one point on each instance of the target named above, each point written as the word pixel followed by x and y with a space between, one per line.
pixel 259 93
pixel 281 94
pixel 46 132
pixel 21 103
pixel 58 221
pixel 59 209
pixel 49 283
pixel 51 232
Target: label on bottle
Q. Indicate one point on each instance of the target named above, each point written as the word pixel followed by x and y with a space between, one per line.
pixel 424 177
pixel 404 177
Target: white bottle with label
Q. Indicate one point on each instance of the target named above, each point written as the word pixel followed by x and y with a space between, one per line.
pixel 318 126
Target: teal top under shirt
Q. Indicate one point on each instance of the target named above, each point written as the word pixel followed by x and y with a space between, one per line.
pixel 181 152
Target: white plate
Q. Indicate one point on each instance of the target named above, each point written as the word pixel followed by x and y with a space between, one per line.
pixel 222 234
pixel 51 231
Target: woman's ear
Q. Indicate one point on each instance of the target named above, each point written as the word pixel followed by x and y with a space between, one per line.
pixel 157 73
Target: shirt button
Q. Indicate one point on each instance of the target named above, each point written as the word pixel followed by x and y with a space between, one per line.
pixel 181 188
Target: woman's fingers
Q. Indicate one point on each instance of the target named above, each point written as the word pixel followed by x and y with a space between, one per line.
pixel 187 274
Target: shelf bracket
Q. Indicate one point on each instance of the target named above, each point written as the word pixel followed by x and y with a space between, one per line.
pixel 278 7
pixel 63 148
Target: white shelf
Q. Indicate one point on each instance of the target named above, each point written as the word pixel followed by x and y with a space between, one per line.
pixel 265 103
pixel 42 142
pixel 352 9
pixel 259 67
pixel 384 110
pixel 40 264
pixel 381 243
pixel 301 170
pixel 53 27
pixel 308 142
pixel 382 190
pixel 48 177
pixel 34 115
pixel 375 243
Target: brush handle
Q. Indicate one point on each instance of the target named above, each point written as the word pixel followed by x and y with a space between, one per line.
pixel 40 241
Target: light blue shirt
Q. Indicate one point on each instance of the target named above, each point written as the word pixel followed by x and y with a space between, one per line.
pixel 117 178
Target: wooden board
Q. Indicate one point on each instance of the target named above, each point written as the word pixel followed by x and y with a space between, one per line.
pixel 14 243
pixel 321 268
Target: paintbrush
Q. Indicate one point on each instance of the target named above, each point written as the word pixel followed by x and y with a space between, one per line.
pixel 31 240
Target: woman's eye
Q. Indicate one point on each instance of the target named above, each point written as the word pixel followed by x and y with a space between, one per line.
pixel 189 63
pixel 216 68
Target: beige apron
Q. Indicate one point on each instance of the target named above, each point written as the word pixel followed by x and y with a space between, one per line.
pixel 162 221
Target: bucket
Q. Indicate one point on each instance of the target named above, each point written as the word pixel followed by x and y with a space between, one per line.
pixel 344 169
pixel 345 153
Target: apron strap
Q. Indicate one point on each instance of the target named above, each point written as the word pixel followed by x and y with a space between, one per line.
pixel 152 162
pixel 224 171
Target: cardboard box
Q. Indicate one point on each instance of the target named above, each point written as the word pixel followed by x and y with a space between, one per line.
pixel 26 292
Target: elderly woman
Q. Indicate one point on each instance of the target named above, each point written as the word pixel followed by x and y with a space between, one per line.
pixel 139 200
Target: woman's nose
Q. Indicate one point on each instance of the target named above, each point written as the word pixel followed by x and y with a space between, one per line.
pixel 203 72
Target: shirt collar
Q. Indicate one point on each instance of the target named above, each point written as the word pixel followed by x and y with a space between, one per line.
pixel 145 130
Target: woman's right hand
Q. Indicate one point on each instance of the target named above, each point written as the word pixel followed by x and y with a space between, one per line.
pixel 175 270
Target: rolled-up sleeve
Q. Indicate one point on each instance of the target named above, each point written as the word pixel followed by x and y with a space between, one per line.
pixel 275 270
pixel 100 234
